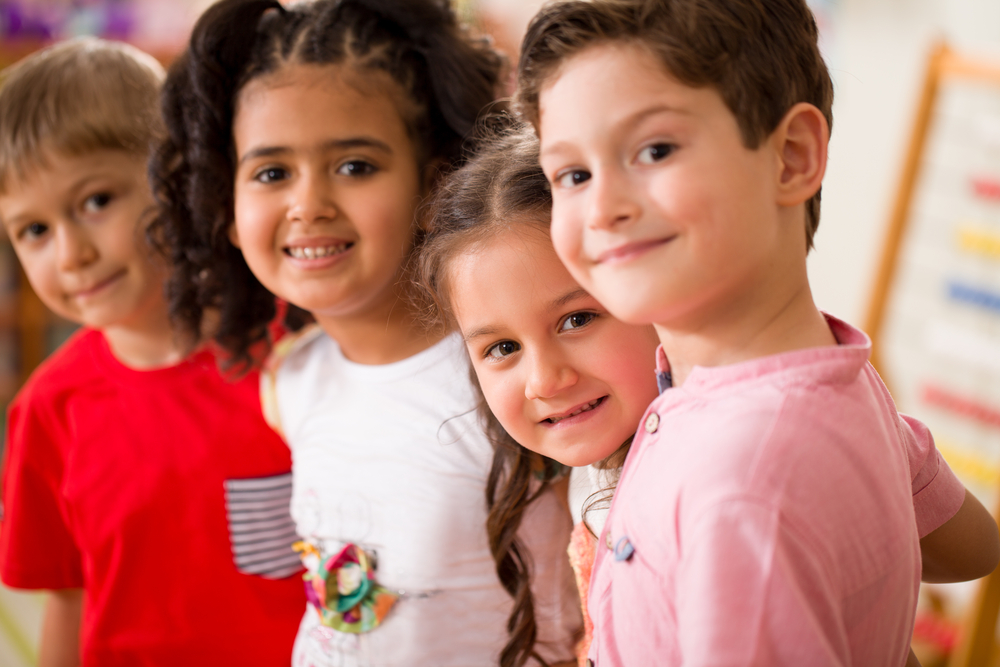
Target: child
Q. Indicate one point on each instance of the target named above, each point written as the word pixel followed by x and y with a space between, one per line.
pixel 561 376
pixel 301 142
pixel 536 351
pixel 137 480
pixel 764 515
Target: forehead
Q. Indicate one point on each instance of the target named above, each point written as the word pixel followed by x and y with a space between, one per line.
pixel 619 84
pixel 519 262
pixel 50 173
pixel 321 99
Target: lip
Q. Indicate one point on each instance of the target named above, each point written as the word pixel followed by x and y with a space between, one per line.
pixel 630 251
pixel 583 414
pixel 317 252
pixel 98 286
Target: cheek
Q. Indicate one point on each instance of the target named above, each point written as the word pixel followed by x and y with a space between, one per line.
pixel 632 371
pixel 506 399
pixel 42 276
pixel 251 232
pixel 566 239
pixel 385 223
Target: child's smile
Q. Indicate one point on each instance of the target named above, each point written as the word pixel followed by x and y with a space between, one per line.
pixel 317 253
pixel 563 377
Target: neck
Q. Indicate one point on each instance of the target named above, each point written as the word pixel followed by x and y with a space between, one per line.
pixel 386 333
pixel 771 315
pixel 147 340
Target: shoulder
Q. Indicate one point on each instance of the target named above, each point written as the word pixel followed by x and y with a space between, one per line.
pixel 293 351
pixel 73 367
pixel 286 360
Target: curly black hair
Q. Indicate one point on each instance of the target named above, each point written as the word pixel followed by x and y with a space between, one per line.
pixel 450 77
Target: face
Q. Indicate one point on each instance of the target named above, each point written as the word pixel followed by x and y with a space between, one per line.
pixel 659 209
pixel 76 224
pixel 326 187
pixel 562 376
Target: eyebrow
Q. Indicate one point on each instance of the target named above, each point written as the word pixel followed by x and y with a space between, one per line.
pixel 488 330
pixel 333 144
pixel 492 330
pixel 573 295
pixel 634 119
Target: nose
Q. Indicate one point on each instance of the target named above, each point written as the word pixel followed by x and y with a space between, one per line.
pixel 548 374
pixel 311 199
pixel 612 201
pixel 74 247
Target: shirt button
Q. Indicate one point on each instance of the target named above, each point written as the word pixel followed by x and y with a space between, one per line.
pixel 590 663
pixel 652 422
pixel 608 543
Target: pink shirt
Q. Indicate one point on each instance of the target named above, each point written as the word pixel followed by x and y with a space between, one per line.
pixel 769 514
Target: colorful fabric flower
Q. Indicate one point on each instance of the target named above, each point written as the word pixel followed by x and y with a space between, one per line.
pixel 342 588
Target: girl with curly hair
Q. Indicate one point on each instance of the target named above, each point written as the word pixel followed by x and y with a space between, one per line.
pixel 301 142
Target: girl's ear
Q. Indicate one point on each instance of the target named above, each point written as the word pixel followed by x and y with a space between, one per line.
pixel 234 236
pixel 800 143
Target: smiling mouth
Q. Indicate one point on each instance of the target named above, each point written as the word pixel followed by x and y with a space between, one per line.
pixel 317 252
pixel 97 287
pixel 630 250
pixel 587 407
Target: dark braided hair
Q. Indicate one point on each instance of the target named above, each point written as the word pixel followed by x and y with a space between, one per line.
pixel 449 77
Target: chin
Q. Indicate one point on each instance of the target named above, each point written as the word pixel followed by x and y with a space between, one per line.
pixel 575 459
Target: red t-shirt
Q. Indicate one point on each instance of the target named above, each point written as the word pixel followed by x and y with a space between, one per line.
pixel 164 495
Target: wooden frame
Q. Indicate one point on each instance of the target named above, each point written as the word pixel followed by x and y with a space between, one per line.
pixel 978 640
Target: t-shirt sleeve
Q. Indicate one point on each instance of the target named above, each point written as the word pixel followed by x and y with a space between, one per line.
pixel 751 592
pixel 37 549
pixel 545 532
pixel 937 492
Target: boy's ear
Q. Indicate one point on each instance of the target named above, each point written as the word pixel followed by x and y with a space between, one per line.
pixel 234 237
pixel 800 142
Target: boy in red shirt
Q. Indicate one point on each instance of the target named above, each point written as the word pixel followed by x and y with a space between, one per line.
pixel 140 487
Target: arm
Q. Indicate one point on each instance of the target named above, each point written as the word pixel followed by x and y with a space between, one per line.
pixel 60 645
pixel 965 547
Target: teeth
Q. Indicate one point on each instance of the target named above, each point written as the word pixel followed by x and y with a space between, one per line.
pixel 587 408
pixel 316 252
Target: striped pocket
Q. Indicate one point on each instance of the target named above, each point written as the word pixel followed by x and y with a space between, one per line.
pixel 260 526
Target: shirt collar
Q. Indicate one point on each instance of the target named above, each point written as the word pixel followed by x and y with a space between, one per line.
pixel 829 364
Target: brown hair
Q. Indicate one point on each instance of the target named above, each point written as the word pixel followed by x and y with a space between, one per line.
pixel 501 189
pixel 447 76
pixel 77 97
pixel 761 56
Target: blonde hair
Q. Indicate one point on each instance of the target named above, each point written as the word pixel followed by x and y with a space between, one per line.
pixel 76 97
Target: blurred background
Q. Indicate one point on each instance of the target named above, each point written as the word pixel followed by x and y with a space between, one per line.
pixel 877 52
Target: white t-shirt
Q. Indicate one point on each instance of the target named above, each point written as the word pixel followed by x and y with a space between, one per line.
pixel 393 459
pixel 584 482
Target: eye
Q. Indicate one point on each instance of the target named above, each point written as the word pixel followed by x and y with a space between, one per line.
pixel 504 348
pixel 96 202
pixel 577 320
pixel 33 231
pixel 270 175
pixel 572 178
pixel 655 153
pixel 356 168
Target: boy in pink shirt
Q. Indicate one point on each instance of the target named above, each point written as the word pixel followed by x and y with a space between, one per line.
pixel 772 505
